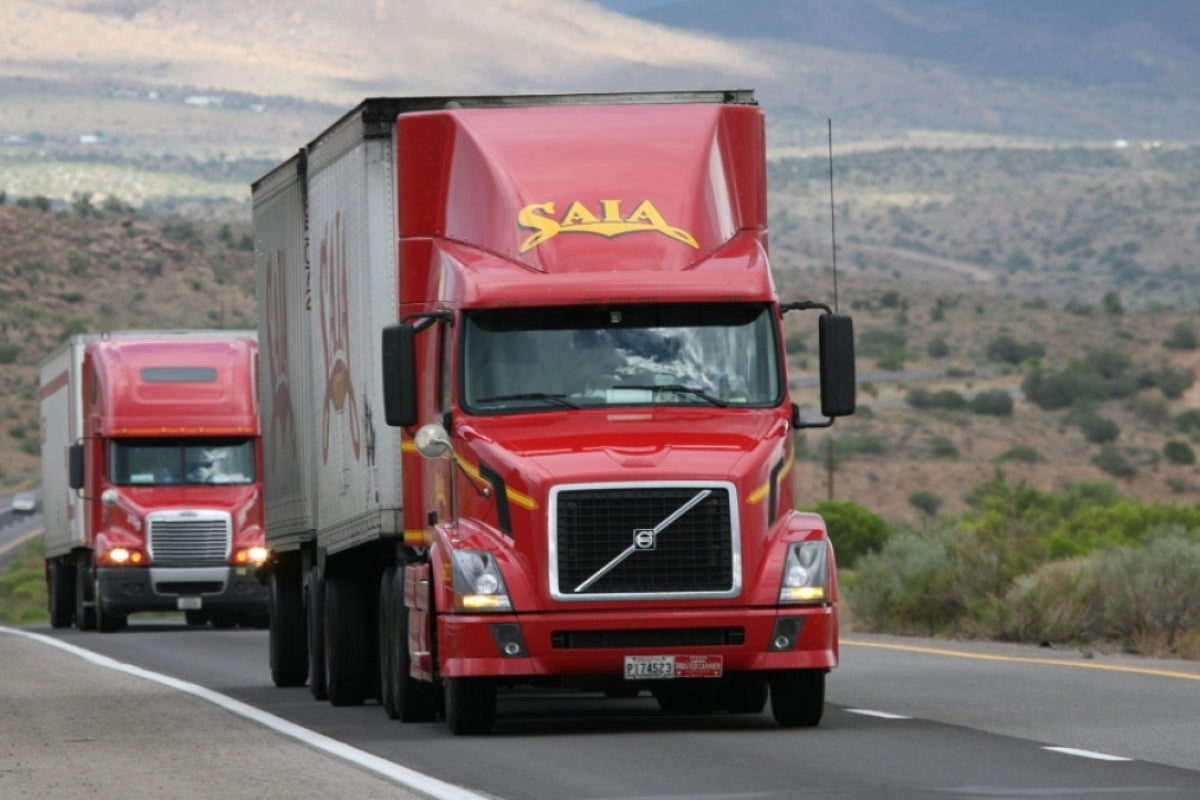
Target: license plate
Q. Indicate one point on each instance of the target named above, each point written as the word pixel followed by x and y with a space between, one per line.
pixel 658 668
pixel 188 603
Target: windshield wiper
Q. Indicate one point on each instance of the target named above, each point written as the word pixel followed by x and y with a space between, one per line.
pixel 678 388
pixel 557 399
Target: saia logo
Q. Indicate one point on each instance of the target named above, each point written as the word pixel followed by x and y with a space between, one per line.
pixel 610 222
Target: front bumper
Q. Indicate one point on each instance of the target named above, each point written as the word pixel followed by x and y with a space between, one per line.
pixel 130 589
pixel 595 644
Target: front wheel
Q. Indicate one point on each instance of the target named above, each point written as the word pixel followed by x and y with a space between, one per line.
pixel 106 621
pixel 798 697
pixel 470 705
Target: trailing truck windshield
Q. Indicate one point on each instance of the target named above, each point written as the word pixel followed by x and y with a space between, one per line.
pixel 161 462
pixel 685 354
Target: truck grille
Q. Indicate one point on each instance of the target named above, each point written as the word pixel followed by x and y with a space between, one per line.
pixel 189 537
pixel 615 542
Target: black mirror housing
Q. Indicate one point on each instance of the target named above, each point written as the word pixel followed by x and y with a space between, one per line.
pixel 400 375
pixel 838 381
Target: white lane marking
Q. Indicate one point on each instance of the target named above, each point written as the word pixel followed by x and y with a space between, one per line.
pixel 866 712
pixel 1071 751
pixel 411 779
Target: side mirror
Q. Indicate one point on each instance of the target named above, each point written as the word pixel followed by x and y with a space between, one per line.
pixel 400 376
pixel 838 382
pixel 75 465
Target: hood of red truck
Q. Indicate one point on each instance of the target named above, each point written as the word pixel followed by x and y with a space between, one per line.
pixel 242 501
pixel 533 451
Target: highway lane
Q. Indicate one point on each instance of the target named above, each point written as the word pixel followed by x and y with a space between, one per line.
pixel 906 719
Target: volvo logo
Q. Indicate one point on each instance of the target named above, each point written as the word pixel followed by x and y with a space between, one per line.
pixel 644 539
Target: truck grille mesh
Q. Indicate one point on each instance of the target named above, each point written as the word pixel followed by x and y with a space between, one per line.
pixel 177 538
pixel 695 554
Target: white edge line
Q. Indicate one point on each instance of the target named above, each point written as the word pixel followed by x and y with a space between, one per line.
pixel 1071 751
pixel 417 781
pixel 866 712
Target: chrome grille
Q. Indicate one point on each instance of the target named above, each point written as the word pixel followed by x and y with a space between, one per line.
pixel 189 537
pixel 604 542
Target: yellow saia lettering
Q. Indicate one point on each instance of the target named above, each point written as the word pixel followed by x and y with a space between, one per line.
pixel 545 225
pixel 648 214
pixel 578 218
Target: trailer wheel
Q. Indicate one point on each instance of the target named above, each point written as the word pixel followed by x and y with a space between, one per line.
pixel 346 653
pixel 470 705
pixel 288 636
pixel 388 676
pixel 85 611
pixel 61 594
pixel 798 697
pixel 315 616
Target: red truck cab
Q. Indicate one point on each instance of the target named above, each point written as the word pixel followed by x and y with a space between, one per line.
pixel 167 470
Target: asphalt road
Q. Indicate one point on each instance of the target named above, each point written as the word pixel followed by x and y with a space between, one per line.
pixel 905 719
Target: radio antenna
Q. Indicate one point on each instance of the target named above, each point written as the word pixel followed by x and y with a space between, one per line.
pixel 832 224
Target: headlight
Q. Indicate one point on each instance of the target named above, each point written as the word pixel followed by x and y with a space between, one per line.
pixel 805 573
pixel 251 555
pixel 478 584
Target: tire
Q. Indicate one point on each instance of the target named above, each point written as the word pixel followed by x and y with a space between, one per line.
pixel 798 697
pixel 413 700
pixel 470 705
pixel 346 647
pixel 315 618
pixel 388 640
pixel 85 610
pixel 61 594
pixel 107 622
pixel 288 637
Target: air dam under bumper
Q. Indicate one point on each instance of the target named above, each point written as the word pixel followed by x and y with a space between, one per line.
pixel 224 588
pixel 597 643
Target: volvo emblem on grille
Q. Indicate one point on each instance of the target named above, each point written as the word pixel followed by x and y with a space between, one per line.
pixel 644 539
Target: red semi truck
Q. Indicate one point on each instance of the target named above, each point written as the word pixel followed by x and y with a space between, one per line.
pixel 151 478
pixel 526 411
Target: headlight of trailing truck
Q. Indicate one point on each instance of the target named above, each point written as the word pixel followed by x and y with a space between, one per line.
pixel 120 557
pixel 805 573
pixel 251 555
pixel 478 584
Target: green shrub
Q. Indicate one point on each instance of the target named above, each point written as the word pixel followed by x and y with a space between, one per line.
pixel 926 502
pixel 1183 337
pixel 853 529
pixel 1150 591
pixel 1022 454
pixel 1179 453
pixel 1097 430
pixel 901 589
pixel 1111 460
pixel 1057 603
pixel 993 402
pixel 9 352
pixel 1188 422
pixel 1007 350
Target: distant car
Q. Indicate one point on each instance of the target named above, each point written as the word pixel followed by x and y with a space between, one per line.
pixel 24 503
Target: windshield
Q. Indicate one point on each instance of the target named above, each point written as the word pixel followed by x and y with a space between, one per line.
pixel 159 462
pixel 542 358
